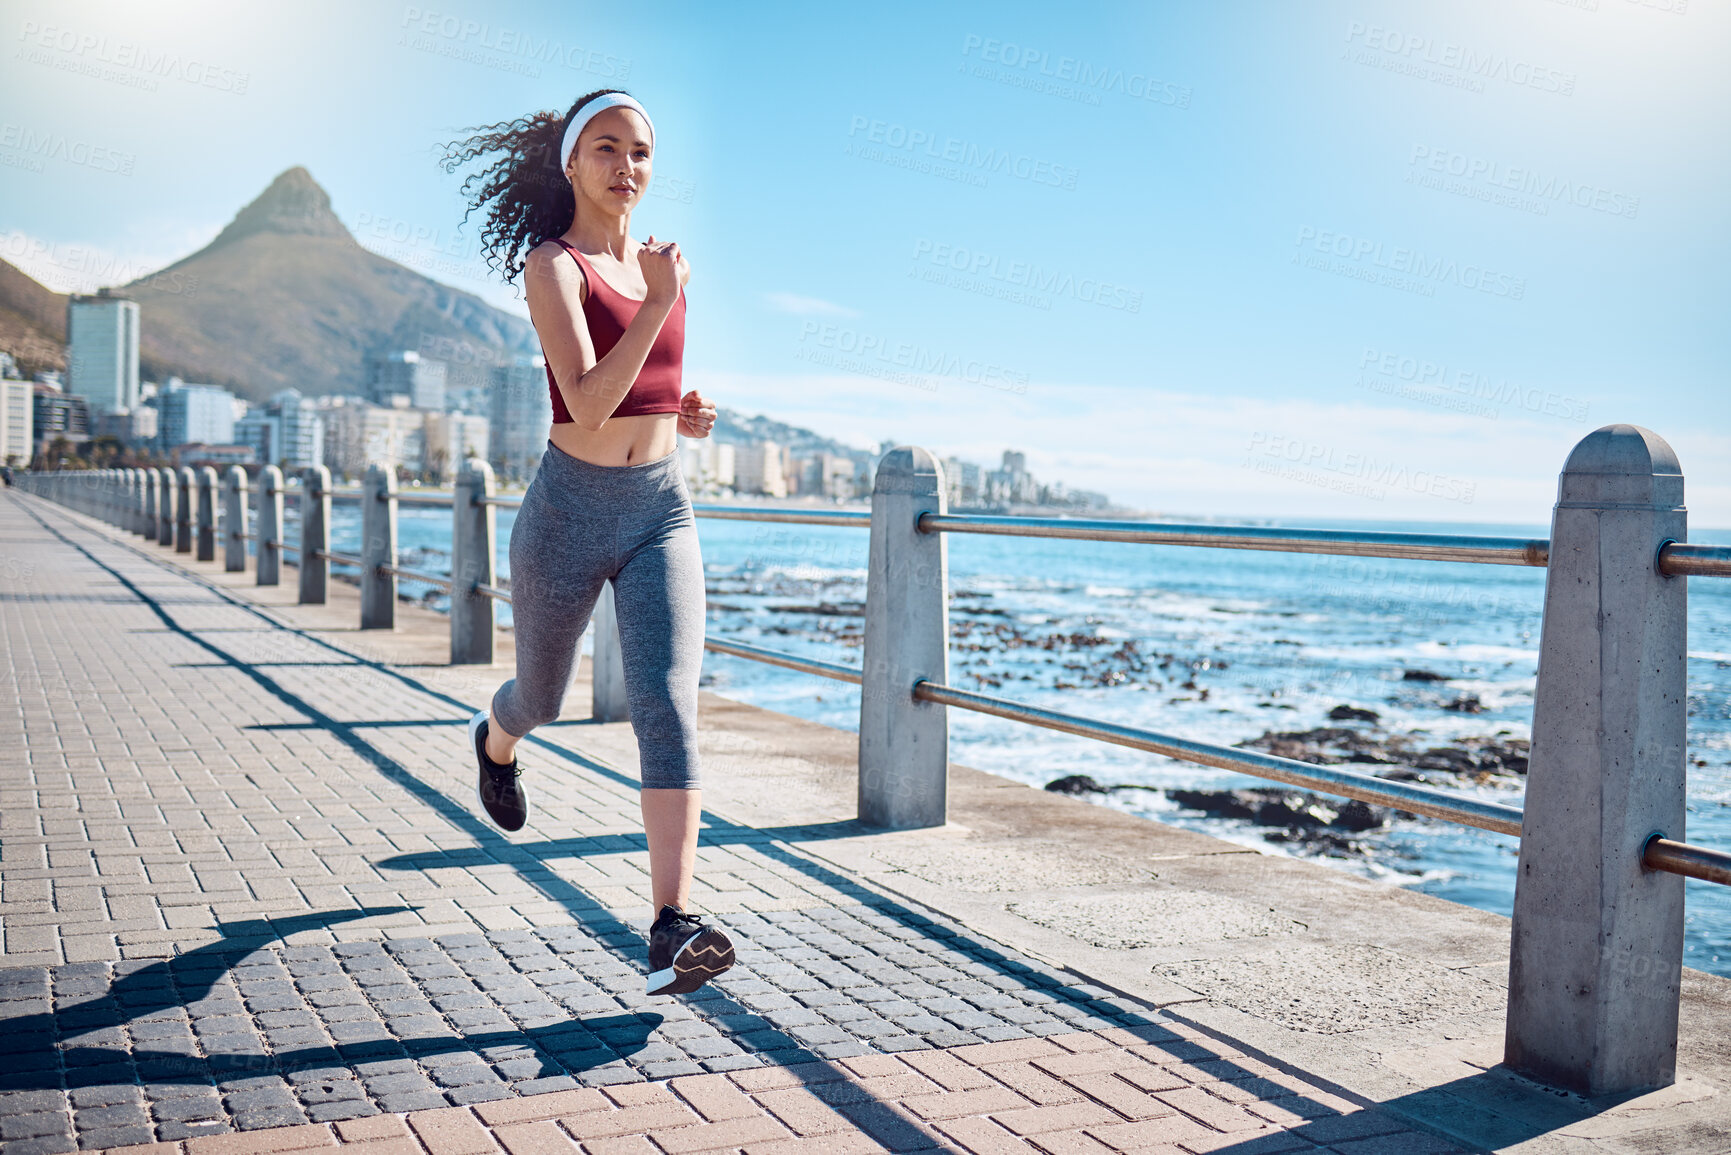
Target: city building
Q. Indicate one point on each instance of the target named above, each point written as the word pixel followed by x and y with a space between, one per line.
pixel 521 417
pixel 708 466
pixel 758 469
pixel 17 420
pixel 285 431
pixel 102 355
pixel 359 433
pixel 961 482
pixel 405 373
pixel 448 440
pixel 133 428
pixel 55 414
pixel 827 475
pixel 187 413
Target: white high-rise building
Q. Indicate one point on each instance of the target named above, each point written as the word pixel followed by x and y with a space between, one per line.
pixel 17 404
pixel 102 361
pixel 194 413
pixel 757 469
pixel 448 440
pixel 405 373
pixel 521 416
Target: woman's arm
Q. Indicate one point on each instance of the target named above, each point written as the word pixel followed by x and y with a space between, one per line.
pixel 592 389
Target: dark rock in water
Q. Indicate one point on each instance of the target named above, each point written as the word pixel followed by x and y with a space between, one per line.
pixel 1294 809
pixel 1327 745
pixel 1466 704
pixel 1352 714
pixel 1422 676
pixel 1075 784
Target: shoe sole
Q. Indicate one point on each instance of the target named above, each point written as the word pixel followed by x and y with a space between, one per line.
pixel 700 958
pixel 475 744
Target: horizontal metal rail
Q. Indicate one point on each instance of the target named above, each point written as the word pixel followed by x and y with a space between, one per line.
pixel 494 592
pixel 425 500
pixel 1399 795
pixel 505 501
pixel 1687 860
pixel 340 558
pixel 1414 546
pixel 1680 558
pixel 834 670
pixel 856 518
pixel 416 575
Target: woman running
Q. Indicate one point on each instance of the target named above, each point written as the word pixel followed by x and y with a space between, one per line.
pixel 609 502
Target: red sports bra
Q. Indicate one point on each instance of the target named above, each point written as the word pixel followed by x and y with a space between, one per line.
pixel 608 311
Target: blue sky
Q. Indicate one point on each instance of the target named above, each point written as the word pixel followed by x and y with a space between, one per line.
pixel 1334 259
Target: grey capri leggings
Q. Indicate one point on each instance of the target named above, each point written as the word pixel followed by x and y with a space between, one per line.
pixel 580 525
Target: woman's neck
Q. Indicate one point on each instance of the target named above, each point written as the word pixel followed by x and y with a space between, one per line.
pixel 606 232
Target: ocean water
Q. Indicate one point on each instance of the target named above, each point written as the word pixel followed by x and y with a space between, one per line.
pixel 1217 645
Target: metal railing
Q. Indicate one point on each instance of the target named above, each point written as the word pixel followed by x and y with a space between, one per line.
pixel 1613 621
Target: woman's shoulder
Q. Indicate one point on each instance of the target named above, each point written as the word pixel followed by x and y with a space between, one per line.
pixel 547 263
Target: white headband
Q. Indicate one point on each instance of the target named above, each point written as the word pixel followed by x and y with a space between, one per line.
pixel 600 104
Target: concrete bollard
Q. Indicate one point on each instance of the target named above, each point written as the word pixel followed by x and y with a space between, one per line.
pixel 167 513
pixel 206 478
pixel 608 700
pixel 268 567
pixel 234 489
pixel 315 568
pixel 144 517
pixel 472 563
pixel 903 742
pixel 378 548
pixel 183 512
pixel 1596 950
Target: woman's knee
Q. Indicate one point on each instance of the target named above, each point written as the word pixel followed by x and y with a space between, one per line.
pixel 520 709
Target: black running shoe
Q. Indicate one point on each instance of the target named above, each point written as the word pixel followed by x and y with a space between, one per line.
pixel 499 788
pixel 684 953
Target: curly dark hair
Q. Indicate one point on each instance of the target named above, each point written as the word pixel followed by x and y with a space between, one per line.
pixel 524 193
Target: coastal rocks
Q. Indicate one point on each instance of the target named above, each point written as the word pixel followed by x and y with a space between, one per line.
pixel 1076 784
pixel 1474 757
pixel 1422 676
pixel 1465 704
pixel 1352 714
pixel 1316 824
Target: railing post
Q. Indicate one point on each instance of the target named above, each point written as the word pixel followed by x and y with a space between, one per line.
pixel 378 548
pixel 183 511
pixel 315 569
pixel 143 514
pixel 904 742
pixel 166 513
pixel 234 520
pixel 471 564
pixel 268 567
pixel 125 514
pixel 608 701
pixel 1596 951
pixel 206 513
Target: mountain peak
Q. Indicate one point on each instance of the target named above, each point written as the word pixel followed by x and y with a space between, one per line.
pixel 293 205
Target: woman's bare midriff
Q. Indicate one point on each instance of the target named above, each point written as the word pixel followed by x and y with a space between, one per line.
pixel 621 441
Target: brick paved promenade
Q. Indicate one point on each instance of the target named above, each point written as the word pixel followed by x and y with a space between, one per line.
pixel 248 906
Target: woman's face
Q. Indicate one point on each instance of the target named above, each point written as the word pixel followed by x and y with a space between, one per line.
pixel 610 166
